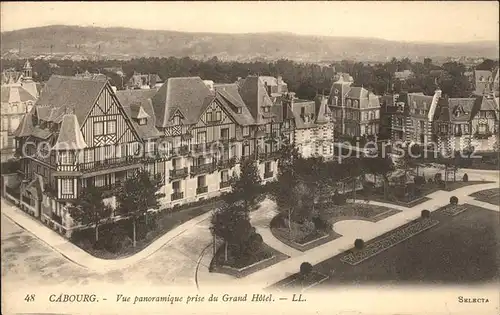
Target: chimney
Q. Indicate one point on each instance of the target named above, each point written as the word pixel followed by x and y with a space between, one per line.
pixel 209 84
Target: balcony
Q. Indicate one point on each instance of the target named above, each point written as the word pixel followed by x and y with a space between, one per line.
pixel 178 173
pixel 227 163
pixel 101 165
pixel 203 168
pixel 180 151
pixel 268 174
pixel 177 195
pixel 201 190
pixel 202 147
pixel 269 155
pixel 225 184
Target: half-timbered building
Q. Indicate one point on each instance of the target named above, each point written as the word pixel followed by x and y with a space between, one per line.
pixel 78 134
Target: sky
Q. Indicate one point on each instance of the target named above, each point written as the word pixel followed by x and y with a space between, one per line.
pixel 441 21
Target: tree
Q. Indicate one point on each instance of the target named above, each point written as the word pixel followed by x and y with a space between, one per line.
pixel 138 195
pixel 231 223
pixel 246 186
pixel 89 208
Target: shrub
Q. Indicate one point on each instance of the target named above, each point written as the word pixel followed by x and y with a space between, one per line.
pixel 321 224
pixel 419 180
pixel 307 227
pixel 359 243
pixel 426 213
pixel 430 181
pixel 305 268
pixel 453 200
pixel 465 178
pixel 438 177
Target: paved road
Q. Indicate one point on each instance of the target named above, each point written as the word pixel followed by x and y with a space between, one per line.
pixel 27 258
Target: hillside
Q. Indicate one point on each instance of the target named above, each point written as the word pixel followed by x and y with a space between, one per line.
pixel 125 43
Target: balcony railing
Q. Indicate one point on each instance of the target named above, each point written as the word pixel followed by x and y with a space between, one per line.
pixel 180 151
pixel 177 195
pixel 224 184
pixel 268 174
pixel 104 164
pixel 178 173
pixel 269 155
pixel 203 168
pixel 227 163
pixel 201 190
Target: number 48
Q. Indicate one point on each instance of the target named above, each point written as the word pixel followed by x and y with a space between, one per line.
pixel 29 298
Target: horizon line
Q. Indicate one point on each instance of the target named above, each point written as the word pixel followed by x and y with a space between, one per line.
pixel 484 41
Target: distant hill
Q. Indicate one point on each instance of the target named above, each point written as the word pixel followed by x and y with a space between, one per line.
pixel 125 43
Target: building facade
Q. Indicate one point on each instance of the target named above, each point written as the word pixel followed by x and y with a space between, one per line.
pixel 355 109
pixel 193 132
pixel 450 124
pixel 19 93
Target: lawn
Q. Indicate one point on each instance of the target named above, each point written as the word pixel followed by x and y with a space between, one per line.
pixel 461 249
pixel 241 267
pixel 490 195
pixel 302 239
pixel 120 246
pixel 420 197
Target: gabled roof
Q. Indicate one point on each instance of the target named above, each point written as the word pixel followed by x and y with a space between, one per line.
pixel 70 136
pixel 137 103
pixel 254 94
pixel 463 106
pixel 419 101
pixel 187 94
pixel 78 94
pixel 26 127
pixel 227 95
pixel 485 74
pixel 15 94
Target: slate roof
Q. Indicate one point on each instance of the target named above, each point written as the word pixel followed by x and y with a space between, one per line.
pixel 466 104
pixel 419 101
pixel 15 94
pixel 26 126
pixel 254 94
pixel 78 94
pixel 70 136
pixel 135 102
pixel 187 94
pixel 227 95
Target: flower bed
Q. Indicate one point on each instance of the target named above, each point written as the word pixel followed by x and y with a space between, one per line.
pixel 304 282
pixel 490 195
pixel 372 213
pixel 243 266
pixel 393 238
pixel 453 210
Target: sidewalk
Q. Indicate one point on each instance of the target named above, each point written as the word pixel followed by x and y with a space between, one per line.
pixel 276 273
pixel 79 256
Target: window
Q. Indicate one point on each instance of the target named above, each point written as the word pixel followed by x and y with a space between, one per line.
pixel 246 131
pixel 303 111
pixel 466 129
pixel 266 109
pixel 202 137
pixel 176 187
pixel 482 128
pixel 98 128
pixel 224 176
pixel 239 110
pixel 377 114
pixel 142 121
pixel 200 160
pixel 67 158
pixel 175 163
pixel 268 128
pixel 67 186
pixel 422 125
pixel 209 116
pixel 267 167
pixel 224 133
pixel 348 103
pixel 365 116
pixel 245 150
pixel 111 127
pixel 356 104
pixel 201 181
pixel 218 115
pixel 372 115
pixel 177 120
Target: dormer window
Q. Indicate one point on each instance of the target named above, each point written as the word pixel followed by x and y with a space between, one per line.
pixel 238 110
pixel 266 109
pixel 142 121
